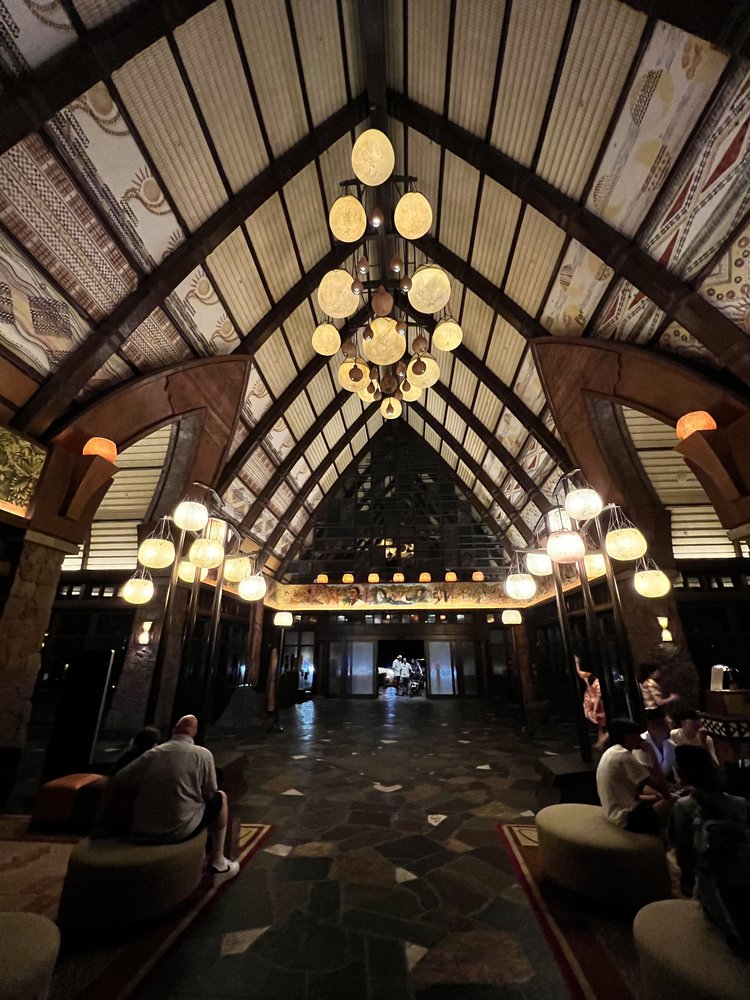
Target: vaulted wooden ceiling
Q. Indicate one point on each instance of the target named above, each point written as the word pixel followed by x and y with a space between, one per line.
pixel 167 170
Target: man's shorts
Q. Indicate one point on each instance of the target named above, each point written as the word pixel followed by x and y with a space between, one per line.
pixel 643 819
pixel 210 813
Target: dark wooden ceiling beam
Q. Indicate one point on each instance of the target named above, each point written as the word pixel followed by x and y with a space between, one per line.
pixel 720 22
pixel 711 327
pixel 372 35
pixel 51 401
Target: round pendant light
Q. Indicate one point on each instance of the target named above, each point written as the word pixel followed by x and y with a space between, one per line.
pixel 511 617
pixel 520 586
pixel 450 576
pixel 651 583
pixel 373 578
pixel 430 289
pixel 447 335
pixel 252 587
pixel 565 546
pixel 390 407
pixel 413 393
pixel 191 515
pixel 697 420
pixel 539 563
pixel 583 504
pixel 477 576
pixel 347 578
pixel 206 553
pixel 625 544
pixel 345 374
pixel 321 578
pixel 367 397
pixel 283 619
pixel 425 578
pixel 387 345
pixel 347 219
pixel 137 590
pixel 413 215
pixel 373 158
pixel 326 339
pixel 398 577
pixel 430 375
pixel 102 447
pixel 186 571
pixel 335 295
pixel 237 569
pixel 156 553
pixel 595 565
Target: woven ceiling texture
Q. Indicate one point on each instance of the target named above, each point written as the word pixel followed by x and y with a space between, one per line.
pixel 138 217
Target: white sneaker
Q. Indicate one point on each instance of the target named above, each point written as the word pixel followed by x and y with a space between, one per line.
pixel 223 874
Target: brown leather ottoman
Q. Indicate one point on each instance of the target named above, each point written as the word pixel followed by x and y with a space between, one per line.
pixel 68 803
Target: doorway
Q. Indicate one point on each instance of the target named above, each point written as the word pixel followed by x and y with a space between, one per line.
pixel 388 650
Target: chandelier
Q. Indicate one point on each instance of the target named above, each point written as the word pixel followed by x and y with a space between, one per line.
pixel 375 364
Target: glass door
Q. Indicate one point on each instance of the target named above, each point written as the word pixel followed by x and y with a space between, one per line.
pixel 351 669
pixel 441 670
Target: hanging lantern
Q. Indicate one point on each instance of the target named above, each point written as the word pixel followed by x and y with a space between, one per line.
pixel 186 571
pixel 387 346
pixel 139 589
pixel 335 295
pixel 697 420
pixel 520 586
pixel 102 447
pixel 326 339
pixel 347 578
pixel 156 553
pixel 651 582
pixel 430 289
pixel 595 565
pixel 425 578
pixel 477 576
pixel 283 619
pixel 565 546
pixel 207 553
pixel 447 335
pixel 583 504
pixel 390 408
pixel 373 578
pixel 423 378
pixel 321 578
pixel 539 563
pixel 511 617
pixel 252 587
pixel 625 544
pixel 366 395
pixel 237 569
pixel 190 515
pixel 450 577
pixel 373 158
pixel 347 219
pixel 351 374
pixel 382 302
pixel 410 393
pixel 398 577
pixel 412 216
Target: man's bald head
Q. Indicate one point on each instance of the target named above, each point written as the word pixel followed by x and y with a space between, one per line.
pixel 186 726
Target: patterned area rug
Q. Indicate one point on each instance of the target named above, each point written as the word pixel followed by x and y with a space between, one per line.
pixel 32 870
pixel 593 946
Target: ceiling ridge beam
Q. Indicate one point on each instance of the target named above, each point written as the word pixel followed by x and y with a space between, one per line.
pixel 50 402
pixel 707 324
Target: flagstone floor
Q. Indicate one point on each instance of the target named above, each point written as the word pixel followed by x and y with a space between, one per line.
pixel 385 876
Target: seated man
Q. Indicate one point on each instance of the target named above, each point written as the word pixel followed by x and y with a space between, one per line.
pixel 690 733
pixel 621 779
pixel 174 795
pixel 657 745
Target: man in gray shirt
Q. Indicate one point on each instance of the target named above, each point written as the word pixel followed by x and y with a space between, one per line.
pixel 175 795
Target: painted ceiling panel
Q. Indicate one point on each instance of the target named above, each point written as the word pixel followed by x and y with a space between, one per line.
pixel 487 407
pixel 335 166
pixel 424 164
pixel 299 474
pixel 351 409
pixel 464 383
pixel 359 441
pixel 238 498
pixel 511 432
pixel 677 340
pixel 298 328
pixel 269 235
pixel 629 315
pixel 432 439
pixel 428 29
pixel 481 494
pixel 113 372
pixel 334 431
pixel 514 492
pixel 476 323
pixel 236 275
pixel 257 470
pixel 300 415
pixel 314 497
pixel 32 34
pixel 476 44
pixel 494 467
pixel 465 474
pixel 317 452
pixel 206 42
pixel 536 461
pixel 285 543
pixel 202 316
pixel 727 286
pixel 515 537
pixel 454 425
pixel 257 397
pixel 602 47
pixel 528 386
pixel 460 184
pixel 496 225
pixel 674 82
pixel 531 514
pixel 279 441
pixel 474 445
pixel 539 244
pixel 328 480
pixel 281 499
pixel 317 29
pixel 309 221
pixel 265 33
pixel 155 97
pixel 241 431
pixel 550 484
pixel 275 363
pixel 445 360
pixel 505 350
pixel 535 35
pixel 580 283
pixel 155 344
pixel 264 525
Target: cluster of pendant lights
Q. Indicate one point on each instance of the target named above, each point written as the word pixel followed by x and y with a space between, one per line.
pixel 207 551
pixel 565 543
pixel 384 338
pixel 450 577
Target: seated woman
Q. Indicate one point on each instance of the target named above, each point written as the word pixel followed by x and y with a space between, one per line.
pixel 690 733
pixel 622 780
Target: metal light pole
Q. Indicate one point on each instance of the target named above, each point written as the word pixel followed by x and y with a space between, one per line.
pixel 283 619
pixel 592 635
pixel 161 651
pixel 562 614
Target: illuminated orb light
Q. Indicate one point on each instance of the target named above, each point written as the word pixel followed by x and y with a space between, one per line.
pixel 398 577
pixel 450 577
pixel 425 578
pixel 137 590
pixel 190 515
pixel 156 553
pixel 387 345
pixel 477 576
pixel 565 546
pixel 625 544
pixel 391 408
pixel 321 578
pixel 102 447
pixel 283 619
pixel 345 374
pixel 539 563
pixel 428 377
pixel 430 289
pixel 326 339
pixel 651 583
pixel 520 586
pixel 447 335
pixel 206 553
pixel 594 563
pixel 413 215
pixel 347 219
pixel 583 504
pixel 347 578
pixel 373 158
pixel 186 571
pixel 335 295
pixel 413 393
pixel 697 420
pixel 237 569
pixel 373 578
pixel 252 587
pixel 511 617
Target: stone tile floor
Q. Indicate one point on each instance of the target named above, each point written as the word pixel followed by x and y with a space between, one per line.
pixel 385 876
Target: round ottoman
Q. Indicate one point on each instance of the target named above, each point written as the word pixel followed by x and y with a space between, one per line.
pixel 683 955
pixel 28 951
pixel 112 884
pixel 583 851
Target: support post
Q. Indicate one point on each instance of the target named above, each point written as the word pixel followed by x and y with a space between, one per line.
pixel 596 663
pixel 562 614
pixel 275 727
pixel 185 679
pixel 161 652
pixel 209 673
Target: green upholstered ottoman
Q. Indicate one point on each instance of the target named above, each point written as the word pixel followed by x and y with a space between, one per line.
pixel 28 950
pixel 583 851
pixel 111 884
pixel 683 955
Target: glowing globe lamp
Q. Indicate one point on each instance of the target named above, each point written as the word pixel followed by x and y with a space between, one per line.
pixel 191 516
pixel 520 586
pixel 539 563
pixel 697 420
pixel 425 578
pixel 511 617
pixel 137 590
pixel 477 576
pixel 156 553
pixel 284 619
pixel 102 447
pixel 207 553
pixel 565 546
pixel 652 583
pixel 373 578
pixel 321 578
pixel 450 577
pixel 398 577
pixel 583 504
pixel 625 544
pixel 252 588
pixel 186 571
pixel 594 563
pixel 237 569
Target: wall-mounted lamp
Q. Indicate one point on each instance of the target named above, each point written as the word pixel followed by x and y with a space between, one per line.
pixel 666 635
pixel 144 636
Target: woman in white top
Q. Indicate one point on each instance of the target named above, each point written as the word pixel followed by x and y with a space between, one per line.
pixel 691 734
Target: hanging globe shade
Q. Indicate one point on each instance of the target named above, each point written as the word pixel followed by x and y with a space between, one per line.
pixel 191 515
pixel 102 447
pixel 428 377
pixel 520 586
pixel 252 588
pixel 156 553
pixel 450 577
pixel 425 578
pixel 412 394
pixel 345 374
pixel 335 295
pixel 565 546
pixel 447 335
pixel 651 583
pixel 373 578
pixel 390 407
pixel 625 544
pixel 430 289
pixel 207 553
pixel 347 219
pixel 367 397
pixel 373 158
pixel 595 565
pixel 477 576
pixel 412 216
pixel 186 571
pixel 321 578
pixel 583 504
pixel 283 619
pixel 387 345
pixel 398 577
pixel 347 578
pixel 326 339
pixel 237 569
pixel 511 618
pixel 137 590
pixel 697 420
pixel 539 563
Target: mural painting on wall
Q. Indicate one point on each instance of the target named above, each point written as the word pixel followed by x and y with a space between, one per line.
pixel 21 464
